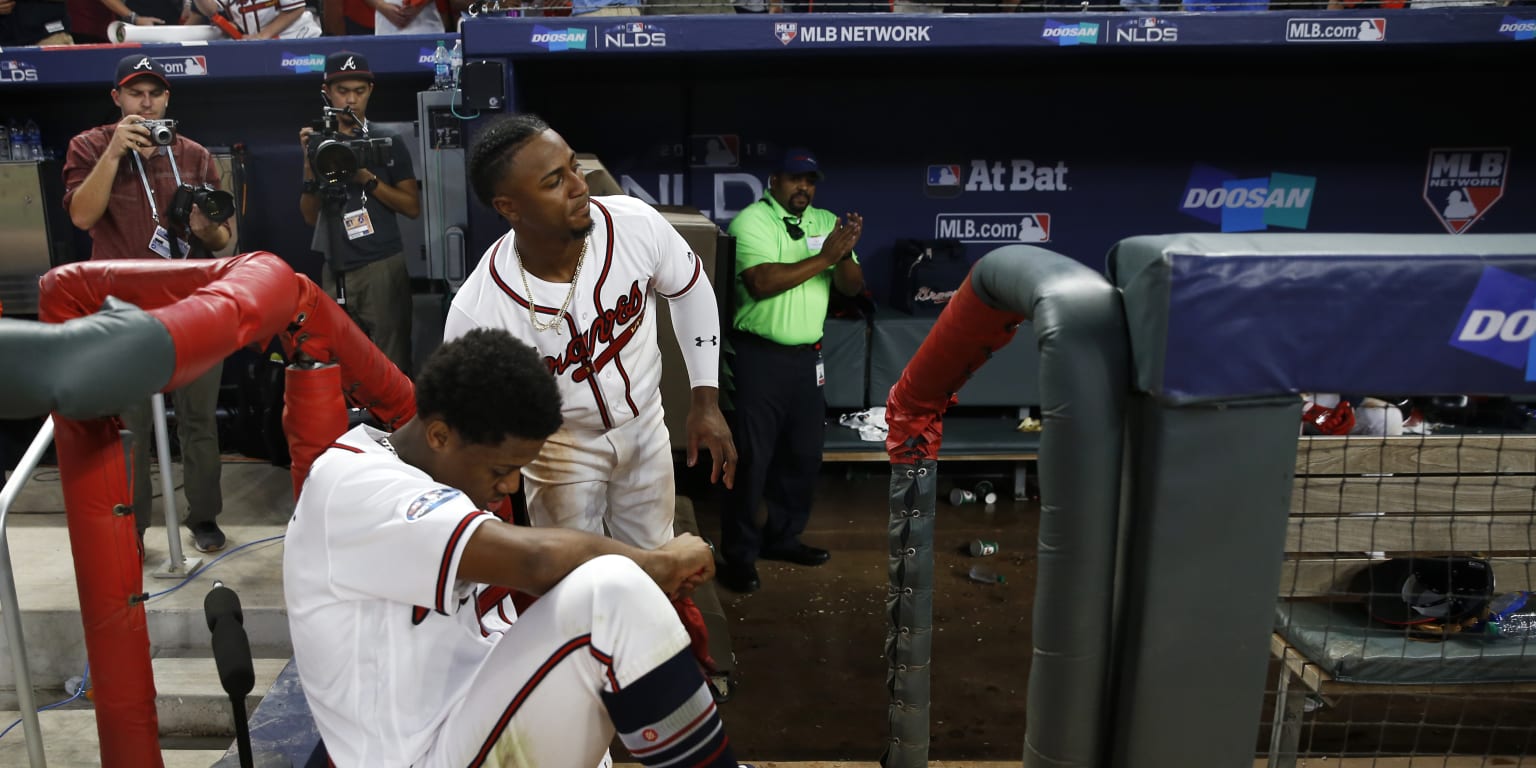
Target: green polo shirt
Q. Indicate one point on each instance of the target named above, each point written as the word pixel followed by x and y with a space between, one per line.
pixel 798 315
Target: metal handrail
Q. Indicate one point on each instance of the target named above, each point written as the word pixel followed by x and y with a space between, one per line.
pixel 9 605
pixel 177 566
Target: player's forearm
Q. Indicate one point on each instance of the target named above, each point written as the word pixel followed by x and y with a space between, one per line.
pixel 283 21
pixel 534 560
pixel 696 322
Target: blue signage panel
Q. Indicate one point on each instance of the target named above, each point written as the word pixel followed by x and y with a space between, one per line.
pixel 1385 324
pixel 216 61
pixel 792 34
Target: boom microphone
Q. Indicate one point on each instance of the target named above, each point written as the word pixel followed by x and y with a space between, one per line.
pixel 221 602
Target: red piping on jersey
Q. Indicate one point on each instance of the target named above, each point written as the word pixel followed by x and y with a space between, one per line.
pixel 597 292
pixel 597 390
pixel 698 269
pixel 607 662
pixel 507 289
pixel 453 546
pixel 346 447
pixel 619 364
pixel 522 695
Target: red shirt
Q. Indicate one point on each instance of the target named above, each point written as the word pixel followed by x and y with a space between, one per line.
pixel 124 230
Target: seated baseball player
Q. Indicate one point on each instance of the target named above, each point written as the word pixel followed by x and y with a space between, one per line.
pixel 402 640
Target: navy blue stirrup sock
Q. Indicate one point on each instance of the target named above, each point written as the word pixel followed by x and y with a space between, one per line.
pixel 668 717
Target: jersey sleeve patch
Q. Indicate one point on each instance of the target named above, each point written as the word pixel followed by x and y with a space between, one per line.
pixel 429 501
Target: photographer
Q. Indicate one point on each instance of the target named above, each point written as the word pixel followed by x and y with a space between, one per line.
pixel 356 178
pixel 144 191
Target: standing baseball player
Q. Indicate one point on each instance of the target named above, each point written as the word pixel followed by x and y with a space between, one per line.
pixel 403 659
pixel 577 279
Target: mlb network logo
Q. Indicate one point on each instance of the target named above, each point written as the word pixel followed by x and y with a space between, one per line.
pixel 1460 185
pixel 1248 205
pixel 1077 33
pixel 1518 29
pixel 569 39
pixel 184 66
pixel 1500 320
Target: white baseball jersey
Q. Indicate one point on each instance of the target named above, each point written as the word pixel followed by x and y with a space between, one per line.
pixel 252 16
pixel 383 633
pixel 605 356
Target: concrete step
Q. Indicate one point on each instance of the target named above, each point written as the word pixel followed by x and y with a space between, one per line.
pixel 70 741
pixel 191 702
pixel 50 602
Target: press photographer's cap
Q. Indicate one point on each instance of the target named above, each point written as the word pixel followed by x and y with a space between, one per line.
pixel 131 68
pixel 346 65
pixel 799 160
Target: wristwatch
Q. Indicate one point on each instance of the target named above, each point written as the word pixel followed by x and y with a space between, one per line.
pixel 371 184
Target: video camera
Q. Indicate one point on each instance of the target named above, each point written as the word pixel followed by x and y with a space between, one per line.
pixel 161 132
pixel 336 158
pixel 216 204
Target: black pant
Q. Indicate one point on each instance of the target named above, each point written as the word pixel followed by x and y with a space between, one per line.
pixel 778 420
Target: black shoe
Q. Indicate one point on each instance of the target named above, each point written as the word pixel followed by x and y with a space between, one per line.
pixel 739 577
pixel 799 554
pixel 206 537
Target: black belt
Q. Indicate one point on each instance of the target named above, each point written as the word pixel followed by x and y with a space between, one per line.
pixel 762 340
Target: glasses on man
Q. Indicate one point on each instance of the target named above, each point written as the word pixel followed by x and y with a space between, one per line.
pixel 792 226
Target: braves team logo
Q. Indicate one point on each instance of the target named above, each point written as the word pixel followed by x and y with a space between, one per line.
pixel 699 341
pixel 1460 185
pixel 348 65
pixel 786 31
pixel 1499 321
pixel 429 501
pixel 144 64
pixel 578 353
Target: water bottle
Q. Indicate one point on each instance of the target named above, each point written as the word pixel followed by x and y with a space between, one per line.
pixel 440 66
pixel 18 141
pixel 985 575
pixel 455 61
pixel 34 141
pixel 1512 615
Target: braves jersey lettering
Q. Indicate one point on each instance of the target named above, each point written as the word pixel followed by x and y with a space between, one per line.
pixel 630 306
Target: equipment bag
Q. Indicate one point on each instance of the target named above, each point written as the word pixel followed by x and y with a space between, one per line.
pixel 927 273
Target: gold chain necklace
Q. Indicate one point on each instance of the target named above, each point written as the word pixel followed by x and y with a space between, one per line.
pixel 533 315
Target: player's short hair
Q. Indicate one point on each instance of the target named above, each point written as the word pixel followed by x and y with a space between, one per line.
pixel 488 386
pixel 491 156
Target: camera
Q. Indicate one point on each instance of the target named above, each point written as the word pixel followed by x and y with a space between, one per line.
pixel 161 132
pixel 216 204
pixel 336 158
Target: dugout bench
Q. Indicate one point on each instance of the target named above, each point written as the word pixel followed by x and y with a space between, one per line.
pixel 1353 497
pixel 865 359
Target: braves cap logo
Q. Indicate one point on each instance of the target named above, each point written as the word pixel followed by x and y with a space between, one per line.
pixel 699 341
pixel 348 64
pixel 144 64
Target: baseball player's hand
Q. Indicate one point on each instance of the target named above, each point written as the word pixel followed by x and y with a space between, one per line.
pixel 707 427
pixel 680 565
